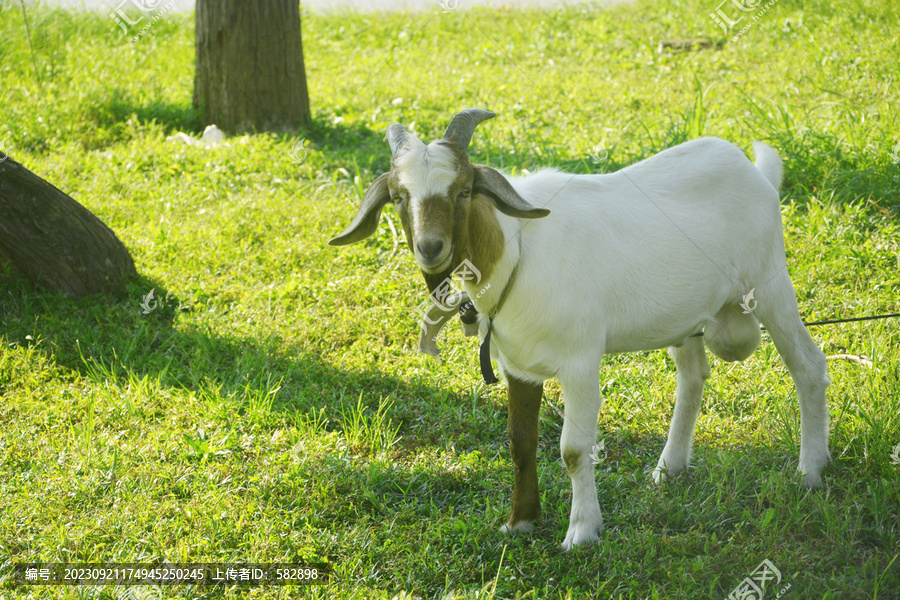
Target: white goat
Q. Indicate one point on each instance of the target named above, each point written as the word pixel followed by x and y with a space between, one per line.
pixel 647 257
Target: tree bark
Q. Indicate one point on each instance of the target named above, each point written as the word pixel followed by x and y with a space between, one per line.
pixel 250 73
pixel 53 241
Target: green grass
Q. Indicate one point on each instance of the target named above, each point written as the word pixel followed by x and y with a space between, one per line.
pixel 274 408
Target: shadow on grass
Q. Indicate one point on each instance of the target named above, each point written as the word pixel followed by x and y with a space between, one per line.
pixel 105 338
pixel 113 110
pixel 462 506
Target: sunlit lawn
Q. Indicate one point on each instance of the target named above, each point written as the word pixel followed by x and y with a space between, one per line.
pixel 273 408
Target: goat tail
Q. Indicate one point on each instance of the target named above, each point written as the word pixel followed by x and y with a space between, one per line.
pixel 769 164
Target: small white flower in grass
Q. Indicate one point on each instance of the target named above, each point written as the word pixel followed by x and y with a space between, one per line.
pixel 895 457
pixel 595 452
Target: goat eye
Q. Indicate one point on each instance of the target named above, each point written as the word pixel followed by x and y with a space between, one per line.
pixel 465 193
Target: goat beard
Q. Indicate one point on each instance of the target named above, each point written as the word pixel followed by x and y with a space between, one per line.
pixel 440 285
pixel 435 282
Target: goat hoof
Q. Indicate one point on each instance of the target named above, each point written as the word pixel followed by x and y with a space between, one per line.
pixel 520 528
pixel 582 534
pixel 811 467
pixel 666 470
pixel 659 476
pixel 812 481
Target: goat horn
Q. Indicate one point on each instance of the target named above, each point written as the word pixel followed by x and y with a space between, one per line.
pixel 396 136
pixel 463 125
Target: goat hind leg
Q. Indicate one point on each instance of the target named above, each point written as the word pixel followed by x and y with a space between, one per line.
pixel 693 370
pixel 777 310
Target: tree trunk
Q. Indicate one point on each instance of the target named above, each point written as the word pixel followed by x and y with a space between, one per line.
pixel 250 73
pixel 53 241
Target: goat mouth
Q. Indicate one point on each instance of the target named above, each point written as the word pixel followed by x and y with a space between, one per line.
pixel 434 268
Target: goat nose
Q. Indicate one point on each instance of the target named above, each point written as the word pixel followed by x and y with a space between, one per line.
pixel 430 249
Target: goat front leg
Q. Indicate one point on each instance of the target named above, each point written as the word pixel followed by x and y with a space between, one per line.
pixel 524 411
pixel 581 395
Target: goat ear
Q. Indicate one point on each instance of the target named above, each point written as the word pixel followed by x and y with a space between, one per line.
pixel 492 184
pixel 366 220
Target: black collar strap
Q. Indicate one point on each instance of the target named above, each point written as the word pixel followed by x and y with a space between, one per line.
pixel 484 353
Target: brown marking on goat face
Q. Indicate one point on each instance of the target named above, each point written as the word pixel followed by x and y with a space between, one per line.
pixel 486 239
pixel 460 236
pixel 437 217
pixel 461 210
pixel 460 241
pixel 524 411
